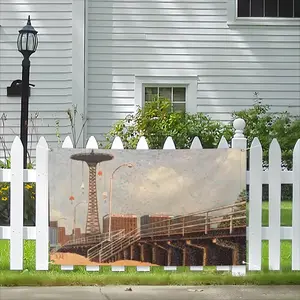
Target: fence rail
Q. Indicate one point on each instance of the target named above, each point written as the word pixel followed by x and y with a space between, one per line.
pixel 255 177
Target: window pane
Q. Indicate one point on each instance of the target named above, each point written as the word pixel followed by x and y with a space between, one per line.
pixel 243 8
pixel 178 94
pixel 150 93
pixel 177 107
pixel 165 92
pixel 257 8
pixel 297 9
pixel 271 8
pixel 286 8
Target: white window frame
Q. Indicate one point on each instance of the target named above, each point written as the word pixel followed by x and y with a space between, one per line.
pixel 233 19
pixel 190 83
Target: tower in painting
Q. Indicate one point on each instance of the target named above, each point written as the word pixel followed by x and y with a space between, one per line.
pixel 92 159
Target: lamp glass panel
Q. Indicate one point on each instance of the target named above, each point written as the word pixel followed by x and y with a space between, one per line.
pixel 30 42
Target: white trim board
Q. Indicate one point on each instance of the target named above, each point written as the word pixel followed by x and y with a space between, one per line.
pixel 78 61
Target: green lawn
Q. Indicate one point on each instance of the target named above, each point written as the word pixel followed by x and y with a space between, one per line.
pixel 286 213
pixel 286 246
pixel 157 276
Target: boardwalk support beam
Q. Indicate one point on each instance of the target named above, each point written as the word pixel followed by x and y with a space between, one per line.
pixel 229 245
pixel 168 250
pixel 183 249
pixel 203 248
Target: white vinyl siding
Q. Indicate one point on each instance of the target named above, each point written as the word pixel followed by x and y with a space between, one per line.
pixel 186 39
pixel 51 67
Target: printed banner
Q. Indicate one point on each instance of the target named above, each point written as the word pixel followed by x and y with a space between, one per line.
pixel 148 207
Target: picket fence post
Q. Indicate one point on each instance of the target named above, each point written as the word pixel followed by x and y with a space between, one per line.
pixel 16 206
pixel 239 141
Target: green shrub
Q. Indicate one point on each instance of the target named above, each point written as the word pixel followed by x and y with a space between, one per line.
pixel 156 122
pixel 262 123
pixel 266 125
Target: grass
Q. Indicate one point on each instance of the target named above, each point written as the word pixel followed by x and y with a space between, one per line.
pixel 80 277
pixel 157 276
pixel 286 213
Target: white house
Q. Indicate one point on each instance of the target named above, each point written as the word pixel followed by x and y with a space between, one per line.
pixel 106 56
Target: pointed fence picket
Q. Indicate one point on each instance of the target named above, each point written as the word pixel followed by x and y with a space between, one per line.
pixel 274 204
pixel 92 143
pixel 296 209
pixel 223 144
pixel 255 205
pixel 196 143
pixel 169 144
pixel 117 144
pixel 142 144
pixel 255 177
pixel 16 206
pixel 42 206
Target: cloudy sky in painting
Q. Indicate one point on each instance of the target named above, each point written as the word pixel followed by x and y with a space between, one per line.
pixel 169 182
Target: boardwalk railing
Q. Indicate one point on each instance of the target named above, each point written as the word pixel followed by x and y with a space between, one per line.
pixel 97 239
pixel 94 238
pixel 255 177
pixel 198 222
pixel 115 235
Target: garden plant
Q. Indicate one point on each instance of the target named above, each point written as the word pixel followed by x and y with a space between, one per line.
pixel 156 121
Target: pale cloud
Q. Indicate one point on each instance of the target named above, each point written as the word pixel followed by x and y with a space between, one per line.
pixel 164 180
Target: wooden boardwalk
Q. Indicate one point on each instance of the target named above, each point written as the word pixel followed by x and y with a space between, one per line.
pixel 223 227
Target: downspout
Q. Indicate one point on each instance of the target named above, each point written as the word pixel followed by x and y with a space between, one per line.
pixel 86 50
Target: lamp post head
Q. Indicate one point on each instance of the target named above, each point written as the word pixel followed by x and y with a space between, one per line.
pixel 27 40
pixel 130 165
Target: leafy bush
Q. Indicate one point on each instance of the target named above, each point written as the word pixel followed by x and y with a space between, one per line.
pixel 156 122
pixel 262 123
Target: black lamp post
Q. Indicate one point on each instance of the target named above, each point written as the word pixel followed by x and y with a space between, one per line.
pixel 27 45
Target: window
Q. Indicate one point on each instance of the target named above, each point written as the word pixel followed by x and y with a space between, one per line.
pixel 268 8
pixel 181 90
pixel 177 95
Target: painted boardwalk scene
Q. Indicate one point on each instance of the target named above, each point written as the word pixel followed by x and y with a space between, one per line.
pixel 147 207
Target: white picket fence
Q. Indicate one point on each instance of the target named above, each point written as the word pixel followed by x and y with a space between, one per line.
pixel 274 176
